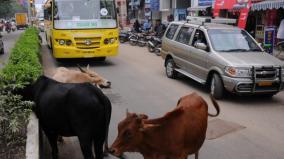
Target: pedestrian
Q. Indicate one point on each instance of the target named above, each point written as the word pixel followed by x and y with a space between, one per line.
pixel 136 26
pixel 146 25
pixel 159 28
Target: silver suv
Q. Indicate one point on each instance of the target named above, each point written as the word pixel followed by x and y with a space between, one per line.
pixel 224 57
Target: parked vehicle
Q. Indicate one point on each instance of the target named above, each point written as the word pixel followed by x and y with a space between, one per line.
pixel 143 39
pixel 133 38
pixel 224 57
pixel 1 45
pixel 124 36
pixel 21 20
pixel 154 45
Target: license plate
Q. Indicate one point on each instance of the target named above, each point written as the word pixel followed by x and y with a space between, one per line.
pixel 265 83
pixel 88 52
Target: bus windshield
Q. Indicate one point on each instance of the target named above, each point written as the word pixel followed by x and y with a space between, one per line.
pixel 84 14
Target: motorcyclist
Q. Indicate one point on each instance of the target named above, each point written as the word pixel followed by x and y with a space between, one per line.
pixel 136 26
pixel 8 25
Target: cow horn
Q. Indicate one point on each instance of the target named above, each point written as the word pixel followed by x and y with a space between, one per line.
pixel 127 113
pixel 80 68
pixel 88 66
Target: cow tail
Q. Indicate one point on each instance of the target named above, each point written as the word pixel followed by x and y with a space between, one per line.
pixel 216 105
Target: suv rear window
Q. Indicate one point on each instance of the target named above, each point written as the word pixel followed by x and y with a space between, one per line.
pixel 184 35
pixel 171 31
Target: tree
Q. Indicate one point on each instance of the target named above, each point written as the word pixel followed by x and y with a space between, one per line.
pixel 9 7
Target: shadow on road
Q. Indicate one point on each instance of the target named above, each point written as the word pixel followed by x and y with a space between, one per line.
pixel 83 62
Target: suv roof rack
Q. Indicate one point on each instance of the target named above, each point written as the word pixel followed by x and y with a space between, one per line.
pixel 203 20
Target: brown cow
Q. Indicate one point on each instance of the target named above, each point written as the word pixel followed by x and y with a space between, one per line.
pixel 65 75
pixel 176 135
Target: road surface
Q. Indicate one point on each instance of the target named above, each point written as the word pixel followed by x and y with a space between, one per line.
pixel 247 128
pixel 9 40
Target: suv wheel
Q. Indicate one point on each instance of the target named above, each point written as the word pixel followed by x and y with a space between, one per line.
pixel 216 87
pixel 170 69
pixel 2 51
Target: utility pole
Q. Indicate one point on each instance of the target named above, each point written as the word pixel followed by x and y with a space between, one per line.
pixel 29 2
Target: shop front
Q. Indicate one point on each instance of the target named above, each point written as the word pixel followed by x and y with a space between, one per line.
pixel 268 16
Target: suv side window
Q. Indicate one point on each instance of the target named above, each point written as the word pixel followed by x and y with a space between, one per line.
pixel 171 31
pixel 184 35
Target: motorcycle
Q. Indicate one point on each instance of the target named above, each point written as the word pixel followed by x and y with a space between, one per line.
pixel 124 36
pixel 143 39
pixel 14 28
pixel 154 45
pixel 8 29
pixel 133 38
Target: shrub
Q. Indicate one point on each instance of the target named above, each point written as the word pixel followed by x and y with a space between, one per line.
pixel 23 68
pixel 24 65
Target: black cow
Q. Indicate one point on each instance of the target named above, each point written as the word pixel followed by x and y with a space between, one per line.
pixel 69 109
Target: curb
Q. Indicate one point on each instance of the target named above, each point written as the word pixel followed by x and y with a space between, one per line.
pixel 32 145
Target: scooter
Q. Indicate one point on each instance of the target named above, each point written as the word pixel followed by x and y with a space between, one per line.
pixel 154 45
pixel 14 28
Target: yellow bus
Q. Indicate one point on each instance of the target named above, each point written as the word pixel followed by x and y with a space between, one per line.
pixel 81 28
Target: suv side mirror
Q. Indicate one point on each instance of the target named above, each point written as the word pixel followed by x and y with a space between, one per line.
pixel 201 46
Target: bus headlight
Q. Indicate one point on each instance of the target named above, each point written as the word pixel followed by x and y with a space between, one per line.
pixel 111 40
pixel 61 42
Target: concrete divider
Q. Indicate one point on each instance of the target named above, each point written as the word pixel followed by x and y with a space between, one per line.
pixel 32 143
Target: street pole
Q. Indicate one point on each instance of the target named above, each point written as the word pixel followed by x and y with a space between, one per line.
pixel 29 11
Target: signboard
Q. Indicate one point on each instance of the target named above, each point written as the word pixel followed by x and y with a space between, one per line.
pixel 269 36
pixel 155 5
pixel 205 2
pixel 147 1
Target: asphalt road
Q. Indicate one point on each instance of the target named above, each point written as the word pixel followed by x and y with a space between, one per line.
pixel 249 127
pixel 9 40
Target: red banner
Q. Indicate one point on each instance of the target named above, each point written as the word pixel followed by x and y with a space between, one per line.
pixel 229 5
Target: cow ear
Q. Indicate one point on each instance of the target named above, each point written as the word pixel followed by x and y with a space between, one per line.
pixel 146 127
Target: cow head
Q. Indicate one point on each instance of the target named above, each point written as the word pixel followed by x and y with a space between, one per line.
pixel 95 78
pixel 130 134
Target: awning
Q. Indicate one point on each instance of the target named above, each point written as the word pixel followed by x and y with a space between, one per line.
pixel 198 8
pixel 269 4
